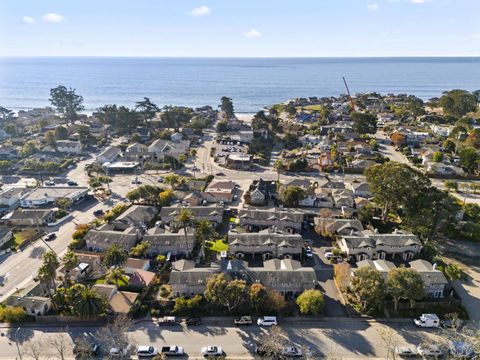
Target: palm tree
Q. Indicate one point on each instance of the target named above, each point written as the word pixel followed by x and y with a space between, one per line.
pixel 204 230
pixel 88 303
pixel 278 165
pixel 115 275
pixel 185 218
pixel 115 256
pixel 70 261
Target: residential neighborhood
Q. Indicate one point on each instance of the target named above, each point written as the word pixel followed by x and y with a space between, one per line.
pixel 307 213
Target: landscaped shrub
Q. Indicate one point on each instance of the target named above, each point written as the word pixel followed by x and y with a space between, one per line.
pixel 12 314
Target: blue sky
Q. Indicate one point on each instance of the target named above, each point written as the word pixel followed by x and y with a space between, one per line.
pixel 243 28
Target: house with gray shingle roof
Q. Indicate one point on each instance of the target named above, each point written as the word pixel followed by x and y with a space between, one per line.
pixel 334 226
pixel 101 239
pixel 434 280
pixel 286 220
pixel 266 243
pixel 163 242
pixel 210 213
pixel 366 244
pixel 135 215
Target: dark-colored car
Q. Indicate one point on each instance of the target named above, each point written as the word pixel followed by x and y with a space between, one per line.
pixel 98 212
pixel 220 174
pixel 193 321
pixel 50 236
pixel 72 183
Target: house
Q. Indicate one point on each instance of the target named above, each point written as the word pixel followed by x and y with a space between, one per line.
pixel 120 302
pixel 286 276
pixel 69 147
pixel 176 137
pixel 87 264
pixel 218 191
pixel 5 235
pixel 30 217
pixel 361 189
pixel 211 213
pixel 261 191
pixel 361 163
pixel 159 149
pixel 133 264
pixel 333 226
pixel 144 133
pixel 239 161
pixel 343 198
pixel 434 280
pixel 266 243
pixel 137 153
pixel 366 244
pixel 49 195
pixel 310 198
pixel 8 152
pixel 140 279
pixel 443 168
pixel 101 239
pixel 10 198
pixel 33 305
pixel 286 220
pixel 383 266
pixel 135 216
pixel 163 242
pixel 109 155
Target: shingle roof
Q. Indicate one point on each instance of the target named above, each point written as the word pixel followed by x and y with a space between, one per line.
pixel 261 238
pixel 272 215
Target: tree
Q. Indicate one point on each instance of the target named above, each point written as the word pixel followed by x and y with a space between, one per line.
pixel 165 197
pixel 176 116
pixel 258 296
pixel 50 138
pixel 458 103
pixel 395 185
pixel 61 133
pixel 146 108
pixel 185 219
pixel 275 301
pixel 405 283
pixel 5 114
pixel 469 159
pixel 449 145
pixel 48 270
pixel 115 256
pixel 60 343
pixel 149 194
pixel 451 185
pixel 367 289
pixel 452 272
pixel 290 141
pixel 272 342
pixel 437 156
pixel 12 314
pixel 226 293
pixel 173 180
pixel 28 149
pixel 278 165
pixel 64 203
pixel 34 348
pixel 222 127
pixel 116 275
pixel 70 262
pixel 203 230
pixel 226 107
pixel 116 335
pixel 311 302
pixel 88 303
pixel 292 195
pixel 364 123
pixel 67 103
pixel 185 306
pixel 140 250
pixel 398 139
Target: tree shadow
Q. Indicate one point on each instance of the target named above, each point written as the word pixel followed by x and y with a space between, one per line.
pixel 37 252
pixel 19 334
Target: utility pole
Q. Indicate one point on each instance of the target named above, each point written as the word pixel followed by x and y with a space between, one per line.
pixel 348 92
pixel 16 343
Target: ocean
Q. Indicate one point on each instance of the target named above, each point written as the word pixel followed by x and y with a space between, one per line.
pixel 252 83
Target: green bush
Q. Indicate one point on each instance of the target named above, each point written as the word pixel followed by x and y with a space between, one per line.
pixel 12 314
pixel 311 302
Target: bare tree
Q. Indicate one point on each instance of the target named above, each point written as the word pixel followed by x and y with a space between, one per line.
pixel 272 342
pixel 83 349
pixel 61 344
pixel 34 348
pixel 388 338
pixel 115 335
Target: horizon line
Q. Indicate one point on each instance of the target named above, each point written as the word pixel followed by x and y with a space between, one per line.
pixel 241 57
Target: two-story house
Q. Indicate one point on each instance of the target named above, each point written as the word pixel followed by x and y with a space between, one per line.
pixel 69 147
pixel 212 213
pixel 163 242
pixel 286 220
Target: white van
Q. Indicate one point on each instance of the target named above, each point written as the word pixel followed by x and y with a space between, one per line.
pixel 267 321
pixel 147 351
pixel 428 321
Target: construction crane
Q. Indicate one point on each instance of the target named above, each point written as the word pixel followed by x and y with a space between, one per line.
pixel 349 96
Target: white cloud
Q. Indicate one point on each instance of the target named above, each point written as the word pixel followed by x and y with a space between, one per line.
pixel 419 1
pixel 252 34
pixel 53 18
pixel 28 20
pixel 200 11
pixel 373 7
pixel 476 36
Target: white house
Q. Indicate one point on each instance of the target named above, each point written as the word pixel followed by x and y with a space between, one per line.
pixel 109 155
pixel 69 147
pixel 10 198
pixel 49 195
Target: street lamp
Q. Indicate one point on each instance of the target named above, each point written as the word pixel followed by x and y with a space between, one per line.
pixel 16 343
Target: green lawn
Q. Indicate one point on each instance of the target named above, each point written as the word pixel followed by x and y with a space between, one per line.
pixel 233 220
pixel 120 283
pixel 216 246
pixel 18 239
pixel 312 107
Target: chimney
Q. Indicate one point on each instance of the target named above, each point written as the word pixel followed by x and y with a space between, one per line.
pixel 435 266
pixel 375 231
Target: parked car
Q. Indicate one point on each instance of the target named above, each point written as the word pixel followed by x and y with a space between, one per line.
pixel 160 180
pixel 167 320
pixel 116 352
pixel 136 182
pixel 212 351
pixel 50 237
pixel 329 255
pixel 146 351
pixel 49 183
pixel 267 321
pixel 172 350
pixel 308 252
pixel 292 352
pixel 193 321
pixel 405 351
pixel 72 183
pixel 158 224
pixel 429 350
pixel 243 320
pixel 220 174
pixel 98 212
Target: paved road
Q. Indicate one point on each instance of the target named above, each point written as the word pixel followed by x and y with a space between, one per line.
pixel 344 338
